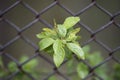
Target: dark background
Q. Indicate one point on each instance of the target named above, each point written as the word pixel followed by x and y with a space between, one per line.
pixel 93 18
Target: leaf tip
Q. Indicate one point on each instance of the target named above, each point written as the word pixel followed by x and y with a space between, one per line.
pixel 37 35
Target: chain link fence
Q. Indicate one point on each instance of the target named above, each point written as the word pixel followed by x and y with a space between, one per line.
pixel 17 30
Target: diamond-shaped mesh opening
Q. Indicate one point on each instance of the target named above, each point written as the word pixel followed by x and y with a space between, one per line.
pixel 8 32
pixel 18 16
pixel 113 9
pixel 67 68
pixel 99 49
pixel 94 19
pixel 46 67
pixel 7 2
pixel 37 4
pixel 112 33
pixel 105 70
pixel 50 14
pixel 21 47
pixel 36 28
pixel 102 71
pixel 79 4
pixel 84 37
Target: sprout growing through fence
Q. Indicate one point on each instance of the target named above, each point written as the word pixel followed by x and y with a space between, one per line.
pixel 61 41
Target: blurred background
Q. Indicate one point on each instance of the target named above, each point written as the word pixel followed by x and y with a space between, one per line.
pixel 21 20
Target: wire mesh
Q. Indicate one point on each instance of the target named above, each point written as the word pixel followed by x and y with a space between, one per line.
pixel 37 54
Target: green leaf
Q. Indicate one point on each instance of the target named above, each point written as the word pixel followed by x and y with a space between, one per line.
pixel 71 21
pixel 52 78
pixel 12 66
pixel 72 34
pixel 46 42
pixel 70 67
pixel 41 35
pixel 29 67
pixel 82 70
pixel 96 55
pixel 59 52
pixel 49 50
pixel 55 24
pixel 116 75
pixel 48 30
pixel 75 48
pixel 47 34
pixel 68 53
pixel 86 49
pixel 61 30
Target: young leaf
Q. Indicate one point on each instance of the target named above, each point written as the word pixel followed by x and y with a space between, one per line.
pixel 72 34
pixel 59 53
pixel 49 30
pixel 70 22
pixel 82 70
pixel 61 30
pixel 41 35
pixel 55 24
pixel 75 31
pixel 76 49
pixel 47 33
pixel 46 42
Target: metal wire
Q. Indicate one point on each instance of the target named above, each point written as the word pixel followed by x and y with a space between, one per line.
pixel 37 18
